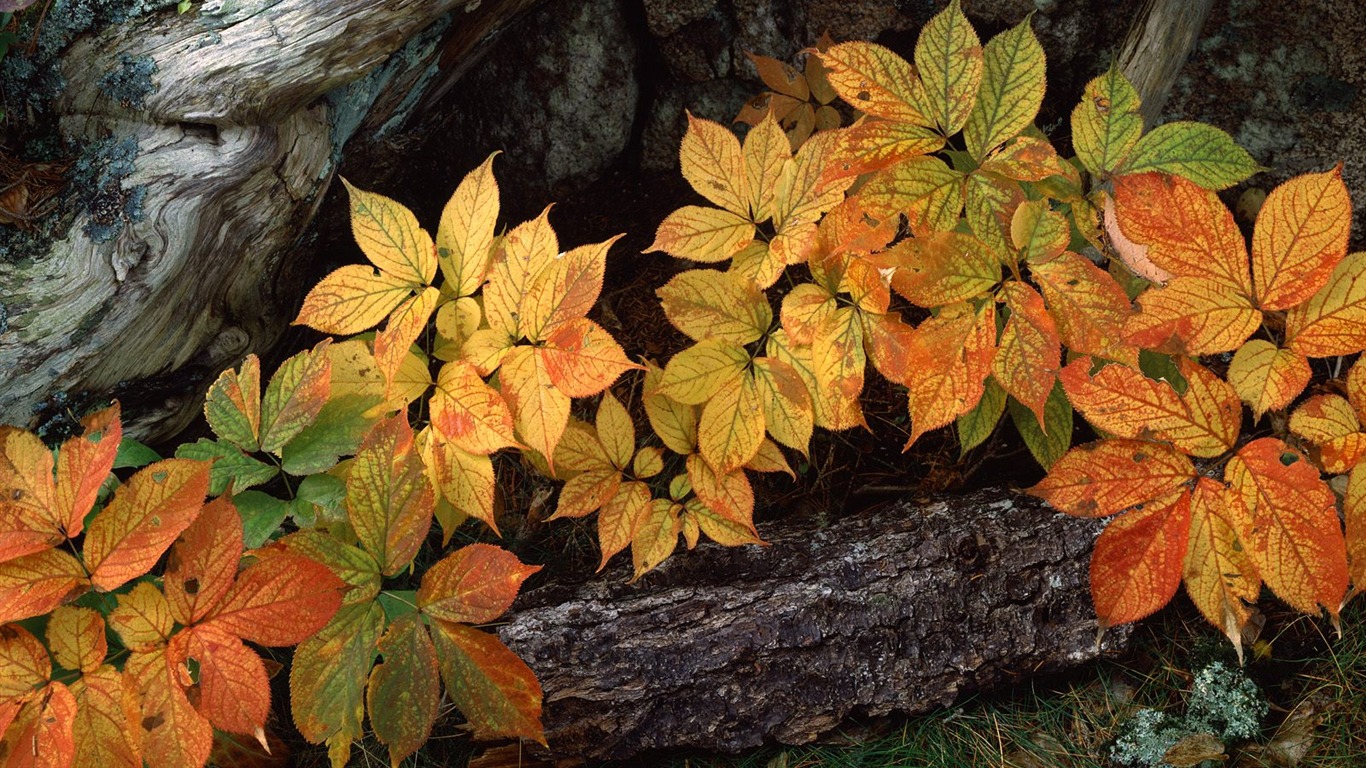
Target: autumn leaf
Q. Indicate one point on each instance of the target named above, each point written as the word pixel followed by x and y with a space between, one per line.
pixel 728 494
pixel 876 81
pixel 1038 232
pixel 1028 356
pixel 328 675
pixel 581 358
pixel 295 396
pixel 540 410
pixel 473 585
pixel 1287 516
pixel 700 233
pixel 731 425
pixel 620 517
pixel 108 724
pixel 1109 476
pixel 1333 320
pixel 709 304
pixel 1192 316
pixel 75 636
pixel 1202 153
pixel 203 564
pixel 143 519
pixel 1011 91
pixel 174 734
pixel 518 257
pixel 948 56
pixel 495 691
pixel 1220 576
pixel 1300 237
pixel 1136 566
pixel 873 145
pixel 1188 230
pixel 464 239
pixel 941 387
pixel 1266 377
pixel 42 732
pixel 1106 123
pixel 925 189
pixel 463 480
pixel 656 535
pixel 675 423
pixel 713 164
pixel 941 268
pixel 468 412
pixel 404 691
pixel 389 499
pixel 1089 307
pixel 234 691
pixel 24 661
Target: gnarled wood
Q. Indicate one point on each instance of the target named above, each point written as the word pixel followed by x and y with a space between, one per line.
pixel 904 609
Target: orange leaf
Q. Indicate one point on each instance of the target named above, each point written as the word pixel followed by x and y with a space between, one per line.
pixel 876 144
pixel 1333 321
pixel 581 358
pixel 1027 158
pixel 712 162
pixel 620 517
pixel 42 734
pixel 521 253
pixel 950 358
pixel 108 727
pixel 887 339
pixel 76 637
pixel 233 405
pixel 540 409
pixel 473 585
pixel 1300 236
pixel 1028 359
pixel 1287 515
pixel 82 466
pixel 584 493
pixel 1220 576
pixel 1132 255
pixel 464 239
pixel 1354 511
pixel 701 233
pixel 389 236
pixel 1356 388
pixel 34 584
pixel 352 299
pixel 280 599
pixel 1193 316
pixel 1266 377
pixel 404 691
pixel 173 733
pixel 29 520
pixel 493 689
pixel 876 81
pixel 23 661
pixel 1109 476
pixel 1188 229
pixel 1136 565
pixel 203 563
pixel 295 395
pixel 564 290
pixel 941 268
pixel 728 494
pixel 142 617
pixel 468 412
pixel 389 500
pixel 1089 306
pixel 234 691
pixel 406 323
pixel 145 516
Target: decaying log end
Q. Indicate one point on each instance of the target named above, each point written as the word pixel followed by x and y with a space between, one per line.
pixel 900 610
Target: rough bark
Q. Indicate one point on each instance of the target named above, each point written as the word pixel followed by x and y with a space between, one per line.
pixel 1161 37
pixel 234 145
pixel 904 609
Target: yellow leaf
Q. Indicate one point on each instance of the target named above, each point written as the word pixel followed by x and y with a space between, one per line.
pixel 1192 316
pixel 770 458
pixel 564 290
pixel 406 324
pixel 389 236
pixel 674 422
pixel 838 361
pixel 1333 321
pixel 412 380
pixel 804 309
pixel 616 431
pixel 1356 388
pixel 1028 357
pixel 1028 158
pixel 1300 237
pixel 1038 232
pixel 989 204
pixel 1266 377
pixel 1322 418
pixel 540 410
pixel 1216 416
pixel 142 617
pixel 1354 510
pixel 1011 91
pixel 464 239
pixel 948 55
pixel 941 268
pixel 456 322
pixel 732 425
pixel 701 233
pixel 926 189
pixel 353 370
pixel 1106 123
pixel 581 358
pixel 25 664
pixel 108 727
pixel 76 637
pixel 580 450
pixel 656 535
pixel 766 150
pixel 464 480
pixel 522 253
pixel 1220 576
pixel 697 373
pixel 620 518
pixel 704 303
pixel 352 299
pixel 876 81
pixel 649 461
pixel 788 412
pixel 758 264
pixel 728 494
pixel 584 493
pixel 713 163
pixel 804 190
pixel 468 412
pixel 1288 517
pixel 718 528
pixel 486 348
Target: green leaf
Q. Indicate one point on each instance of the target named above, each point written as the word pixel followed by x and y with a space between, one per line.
pixel 977 424
pixel 1106 124
pixel 398 603
pixel 1202 153
pixel 1160 367
pixel 338 431
pixel 948 56
pixel 404 691
pixel 351 564
pixel 324 494
pixel 133 454
pixel 261 514
pixel 230 465
pixel 1012 89
pixel 328 674
pixel 294 397
pixel 1057 413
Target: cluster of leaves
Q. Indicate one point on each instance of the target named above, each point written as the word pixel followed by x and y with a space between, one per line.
pixel 943 200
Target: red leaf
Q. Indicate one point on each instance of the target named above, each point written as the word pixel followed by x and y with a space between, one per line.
pixel 1136 566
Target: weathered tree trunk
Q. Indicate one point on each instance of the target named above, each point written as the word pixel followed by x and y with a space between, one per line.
pixel 903 609
pixel 1161 37
pixel 234 144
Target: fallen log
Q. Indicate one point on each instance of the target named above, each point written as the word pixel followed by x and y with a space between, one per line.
pixel 900 610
